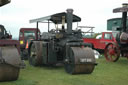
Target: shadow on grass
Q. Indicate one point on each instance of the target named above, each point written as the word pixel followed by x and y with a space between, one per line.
pixel 122 61
pixel 20 82
pixel 49 67
pixel 26 82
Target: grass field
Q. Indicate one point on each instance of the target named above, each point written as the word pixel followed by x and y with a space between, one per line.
pixel 105 73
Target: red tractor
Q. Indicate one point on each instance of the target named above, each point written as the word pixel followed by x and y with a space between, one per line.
pixel 25 36
pixel 114 50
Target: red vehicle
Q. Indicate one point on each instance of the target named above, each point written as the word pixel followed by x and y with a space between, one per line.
pixel 101 40
pixel 25 35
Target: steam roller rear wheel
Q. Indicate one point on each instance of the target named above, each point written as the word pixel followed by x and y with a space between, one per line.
pixel 9 71
pixel 112 52
pixel 74 64
pixel 35 54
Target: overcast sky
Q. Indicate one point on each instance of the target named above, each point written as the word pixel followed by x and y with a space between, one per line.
pixel 93 12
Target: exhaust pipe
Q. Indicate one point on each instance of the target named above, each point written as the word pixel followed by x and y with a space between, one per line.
pixel 124 17
pixel 69 19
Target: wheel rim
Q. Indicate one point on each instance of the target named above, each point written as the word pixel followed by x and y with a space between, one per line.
pixel 112 53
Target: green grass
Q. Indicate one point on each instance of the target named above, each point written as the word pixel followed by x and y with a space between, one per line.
pixel 105 73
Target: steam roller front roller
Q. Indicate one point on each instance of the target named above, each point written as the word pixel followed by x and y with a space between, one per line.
pixel 80 60
pixel 10 63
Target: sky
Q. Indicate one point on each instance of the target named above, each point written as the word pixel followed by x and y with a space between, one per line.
pixel 17 14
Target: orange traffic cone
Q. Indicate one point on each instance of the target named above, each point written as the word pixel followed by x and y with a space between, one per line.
pixel 26 45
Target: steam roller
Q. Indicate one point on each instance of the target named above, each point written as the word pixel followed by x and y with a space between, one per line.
pixel 76 60
pixel 10 61
pixel 62 45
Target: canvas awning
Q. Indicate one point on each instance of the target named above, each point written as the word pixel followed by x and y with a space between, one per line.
pixel 55 18
pixel 121 9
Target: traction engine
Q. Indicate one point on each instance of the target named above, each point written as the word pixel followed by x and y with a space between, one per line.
pixel 119 48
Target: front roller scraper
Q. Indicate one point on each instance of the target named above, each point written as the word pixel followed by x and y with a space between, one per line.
pixel 9 63
pixel 80 60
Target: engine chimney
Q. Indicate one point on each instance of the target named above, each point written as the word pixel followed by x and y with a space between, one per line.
pixel 124 17
pixel 69 19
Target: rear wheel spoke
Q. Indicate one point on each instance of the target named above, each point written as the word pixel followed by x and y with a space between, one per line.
pixel 112 53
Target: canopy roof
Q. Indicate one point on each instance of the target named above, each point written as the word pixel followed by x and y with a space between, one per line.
pixel 55 18
pixel 121 9
pixel 4 2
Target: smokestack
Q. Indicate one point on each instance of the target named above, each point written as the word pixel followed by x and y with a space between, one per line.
pixel 124 17
pixel 69 18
